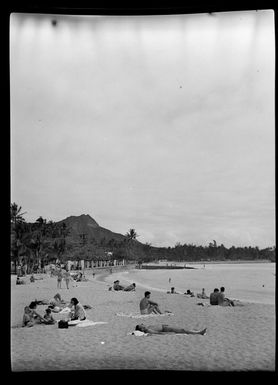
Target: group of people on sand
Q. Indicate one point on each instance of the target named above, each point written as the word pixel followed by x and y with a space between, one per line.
pixel 218 298
pixel 117 287
pixel 188 292
pixel 148 307
pixel 66 275
pixel 32 317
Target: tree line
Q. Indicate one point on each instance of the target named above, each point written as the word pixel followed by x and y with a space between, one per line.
pixel 43 242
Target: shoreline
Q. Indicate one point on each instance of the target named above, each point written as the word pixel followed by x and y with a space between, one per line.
pixel 242 338
pixel 218 262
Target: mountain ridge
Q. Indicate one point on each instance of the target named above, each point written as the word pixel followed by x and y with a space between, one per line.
pixel 85 224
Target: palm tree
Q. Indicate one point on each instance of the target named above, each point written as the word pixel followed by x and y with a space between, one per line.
pixel 16 215
pixel 131 238
pixel 131 235
pixel 17 222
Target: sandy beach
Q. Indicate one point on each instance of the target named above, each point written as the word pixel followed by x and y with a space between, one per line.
pixel 237 339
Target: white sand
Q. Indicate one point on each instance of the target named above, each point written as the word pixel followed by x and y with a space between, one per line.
pixel 239 338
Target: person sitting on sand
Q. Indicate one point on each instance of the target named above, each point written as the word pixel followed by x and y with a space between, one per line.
pixel 147 306
pixel 130 287
pixel 19 281
pixel 57 303
pixel 79 277
pixel 27 318
pixel 190 293
pixel 165 329
pixel 213 298
pixel 202 295
pixel 117 286
pixel 78 311
pixel 48 318
pixel 32 278
pixel 222 300
pixel 172 291
pixel 35 317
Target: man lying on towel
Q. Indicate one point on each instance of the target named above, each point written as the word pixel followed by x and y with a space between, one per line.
pixel 165 329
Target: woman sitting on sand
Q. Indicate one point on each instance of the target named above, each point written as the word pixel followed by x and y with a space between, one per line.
pixel 78 311
pixel 57 303
pixel 165 329
pixel 32 316
pixel 27 319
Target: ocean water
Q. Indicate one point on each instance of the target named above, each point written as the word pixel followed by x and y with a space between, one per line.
pixel 248 282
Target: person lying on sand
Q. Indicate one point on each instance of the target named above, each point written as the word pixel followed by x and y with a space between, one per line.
pixel 202 295
pixel 172 291
pixel 130 287
pixel 190 293
pixel 48 318
pixel 117 286
pixel 165 329
pixel 147 306
pixel 78 311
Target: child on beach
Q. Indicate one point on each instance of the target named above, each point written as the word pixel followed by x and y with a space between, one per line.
pixel 49 320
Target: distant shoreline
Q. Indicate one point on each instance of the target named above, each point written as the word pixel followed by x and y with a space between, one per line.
pixel 222 262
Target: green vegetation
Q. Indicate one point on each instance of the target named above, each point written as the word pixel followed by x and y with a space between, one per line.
pixel 77 238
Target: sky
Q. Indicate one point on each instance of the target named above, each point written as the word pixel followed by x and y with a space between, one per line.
pixel 164 124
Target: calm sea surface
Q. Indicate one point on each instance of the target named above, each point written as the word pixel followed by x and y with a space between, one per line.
pixel 249 282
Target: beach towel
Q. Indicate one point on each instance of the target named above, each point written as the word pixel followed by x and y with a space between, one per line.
pixel 132 315
pixel 85 323
pixel 137 333
pixel 65 310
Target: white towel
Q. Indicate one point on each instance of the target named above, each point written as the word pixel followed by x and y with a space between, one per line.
pixel 131 315
pixel 86 322
pixel 65 310
pixel 138 333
